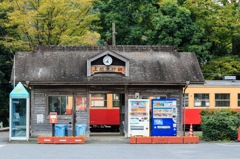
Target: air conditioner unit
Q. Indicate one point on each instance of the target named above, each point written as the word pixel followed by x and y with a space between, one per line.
pixel 229 78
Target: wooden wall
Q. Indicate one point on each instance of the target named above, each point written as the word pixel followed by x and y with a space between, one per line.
pixel 172 92
pixel 39 97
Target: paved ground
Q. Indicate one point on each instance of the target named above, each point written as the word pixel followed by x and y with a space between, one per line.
pixel 116 147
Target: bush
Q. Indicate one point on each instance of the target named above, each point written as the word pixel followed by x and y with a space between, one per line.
pixel 220 124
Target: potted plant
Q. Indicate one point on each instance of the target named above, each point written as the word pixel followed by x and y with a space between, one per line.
pixel 144 140
pixel 175 140
pixel 61 140
pixel 133 140
pixel 77 140
pixel 191 139
pixel 45 140
pixel 159 140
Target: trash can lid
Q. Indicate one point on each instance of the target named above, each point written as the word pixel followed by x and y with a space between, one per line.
pixel 78 125
pixel 60 125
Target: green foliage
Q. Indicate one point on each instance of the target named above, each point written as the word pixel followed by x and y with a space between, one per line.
pixel 200 135
pixel 220 124
pixel 48 22
pixel 218 13
pixel 223 66
pixel 228 111
pixel 151 23
pixel 187 36
pixel 128 18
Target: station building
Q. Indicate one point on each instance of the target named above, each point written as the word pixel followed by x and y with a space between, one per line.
pixel 65 79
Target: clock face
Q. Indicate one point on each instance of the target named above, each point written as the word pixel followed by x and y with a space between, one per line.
pixel 107 60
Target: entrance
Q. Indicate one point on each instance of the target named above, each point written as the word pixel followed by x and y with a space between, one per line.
pixel 107 114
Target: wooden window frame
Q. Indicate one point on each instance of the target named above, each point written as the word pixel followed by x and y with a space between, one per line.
pixel 62 115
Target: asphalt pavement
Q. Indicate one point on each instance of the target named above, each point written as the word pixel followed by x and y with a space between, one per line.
pixel 114 147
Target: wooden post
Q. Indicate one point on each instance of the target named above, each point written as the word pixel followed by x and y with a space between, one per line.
pixel 88 113
pixel 126 112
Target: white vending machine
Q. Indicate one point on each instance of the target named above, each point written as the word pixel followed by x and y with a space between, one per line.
pixel 138 117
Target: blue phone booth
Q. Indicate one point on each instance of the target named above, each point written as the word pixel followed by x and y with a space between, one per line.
pixel 19 113
pixel 164 116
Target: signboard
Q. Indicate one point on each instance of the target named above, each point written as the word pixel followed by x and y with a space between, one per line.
pixel 97 98
pixel 138 119
pixel 39 118
pixel 53 118
pixel 110 69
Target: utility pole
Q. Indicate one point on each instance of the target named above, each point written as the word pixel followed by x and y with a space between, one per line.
pixel 113 34
pixel 14 72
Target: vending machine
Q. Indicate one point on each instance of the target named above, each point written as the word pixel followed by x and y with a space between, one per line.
pixel 164 117
pixel 138 118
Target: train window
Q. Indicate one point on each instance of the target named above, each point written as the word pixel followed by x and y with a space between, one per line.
pixel 238 100
pixel 222 100
pixel 186 99
pixel 98 100
pixel 61 104
pixel 116 100
pixel 201 100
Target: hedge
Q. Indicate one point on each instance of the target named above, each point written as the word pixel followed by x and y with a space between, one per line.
pixel 221 124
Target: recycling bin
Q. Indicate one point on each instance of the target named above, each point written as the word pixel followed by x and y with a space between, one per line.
pixel 60 130
pixel 80 129
pixel 70 129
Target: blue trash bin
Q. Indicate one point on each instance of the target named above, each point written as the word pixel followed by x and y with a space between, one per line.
pixel 80 129
pixel 60 130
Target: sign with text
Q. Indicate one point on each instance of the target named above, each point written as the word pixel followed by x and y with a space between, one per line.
pixel 109 69
pixel 97 98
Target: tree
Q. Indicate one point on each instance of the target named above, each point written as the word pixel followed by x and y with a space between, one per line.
pixel 151 23
pixel 49 22
pixel 129 18
pixel 5 66
pixel 221 66
pixel 220 20
pixel 172 25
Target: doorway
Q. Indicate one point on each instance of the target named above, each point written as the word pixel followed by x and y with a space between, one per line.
pixel 107 114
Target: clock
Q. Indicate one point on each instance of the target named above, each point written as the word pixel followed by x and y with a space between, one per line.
pixel 107 60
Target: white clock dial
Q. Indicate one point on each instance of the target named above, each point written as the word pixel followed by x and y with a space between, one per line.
pixel 107 60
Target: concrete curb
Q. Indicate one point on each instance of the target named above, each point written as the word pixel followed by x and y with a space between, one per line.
pixel 4 129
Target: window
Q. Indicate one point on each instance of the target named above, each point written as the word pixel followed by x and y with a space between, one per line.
pixel 238 100
pixel 186 100
pixel 154 97
pixel 144 97
pixel 222 100
pixel 61 104
pixel 160 97
pixel 116 100
pixel 201 100
pixel 98 100
pixel 81 103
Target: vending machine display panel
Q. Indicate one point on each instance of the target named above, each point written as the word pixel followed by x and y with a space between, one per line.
pixel 138 120
pixel 164 113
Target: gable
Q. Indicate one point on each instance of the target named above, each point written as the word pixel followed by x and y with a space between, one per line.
pixel 117 64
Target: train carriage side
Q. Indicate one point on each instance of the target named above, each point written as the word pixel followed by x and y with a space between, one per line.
pixel 214 94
